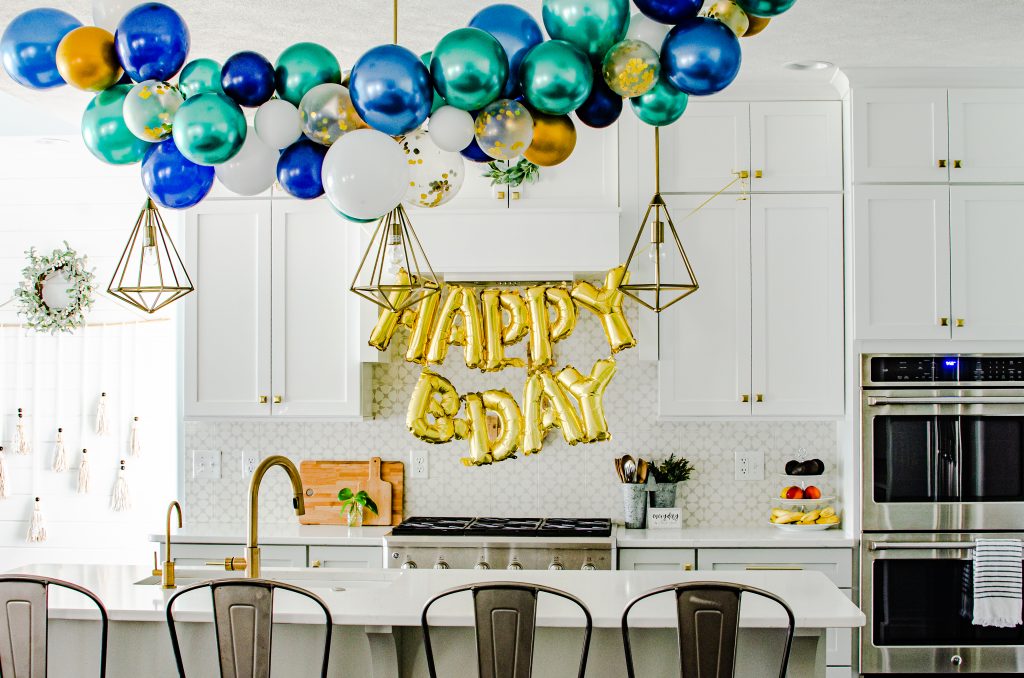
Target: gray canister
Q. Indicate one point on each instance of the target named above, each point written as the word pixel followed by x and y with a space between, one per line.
pixel 634 503
pixel 664 495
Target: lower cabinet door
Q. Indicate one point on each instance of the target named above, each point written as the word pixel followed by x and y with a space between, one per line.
pixel 347 557
pixel 839 643
pixel 840 672
pixel 657 559
pixel 197 555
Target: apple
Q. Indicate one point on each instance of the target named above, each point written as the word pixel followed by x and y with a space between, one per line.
pixel 794 493
pixel 812 492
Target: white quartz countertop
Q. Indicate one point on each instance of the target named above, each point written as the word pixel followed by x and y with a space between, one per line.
pixel 396 597
pixel 731 537
pixel 281 535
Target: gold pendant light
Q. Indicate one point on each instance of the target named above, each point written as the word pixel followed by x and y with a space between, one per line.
pixel 150 274
pixel 657 295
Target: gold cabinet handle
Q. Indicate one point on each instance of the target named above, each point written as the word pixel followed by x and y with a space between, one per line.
pixel 944 322
pixel 688 567
pixel 759 174
pixel 278 400
pixel 958 164
pixel 499 195
pixel 760 397
pixel 516 195
pixel 742 174
pixel 317 563
pixel 264 400
pixel 942 163
pixel 960 322
pixel 745 398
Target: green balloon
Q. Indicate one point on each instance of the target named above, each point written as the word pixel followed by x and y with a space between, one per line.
pixel 661 105
pixel 592 25
pixel 766 8
pixel 556 77
pixel 201 75
pixel 209 129
pixel 104 131
pixel 469 68
pixel 438 101
pixel 302 67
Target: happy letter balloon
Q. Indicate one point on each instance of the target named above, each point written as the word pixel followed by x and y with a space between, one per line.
pixel 518 33
pixel 391 89
pixel 701 56
pixel 29 44
pixel 152 42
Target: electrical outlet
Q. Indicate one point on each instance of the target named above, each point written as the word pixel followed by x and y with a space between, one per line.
pixel 749 465
pixel 250 460
pixel 206 464
pixel 419 466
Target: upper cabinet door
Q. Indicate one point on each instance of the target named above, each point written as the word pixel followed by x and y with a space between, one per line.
pixel 796 147
pixel 986 140
pixel 901 262
pixel 707 147
pixel 796 247
pixel 986 239
pixel 587 180
pixel 227 319
pixel 704 368
pixel 900 135
pixel 316 318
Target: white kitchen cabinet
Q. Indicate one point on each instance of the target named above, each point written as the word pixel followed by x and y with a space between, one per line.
pixel 347 557
pixel 900 135
pixel 707 147
pixel 197 555
pixel 986 142
pixel 657 559
pixel 840 672
pixel 796 249
pixel 901 259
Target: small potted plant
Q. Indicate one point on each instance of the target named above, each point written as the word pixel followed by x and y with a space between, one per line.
pixel 668 474
pixel 352 505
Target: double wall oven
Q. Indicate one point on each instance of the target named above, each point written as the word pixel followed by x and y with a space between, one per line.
pixel 943 464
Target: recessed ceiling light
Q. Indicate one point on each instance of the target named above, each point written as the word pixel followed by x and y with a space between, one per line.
pixel 813 65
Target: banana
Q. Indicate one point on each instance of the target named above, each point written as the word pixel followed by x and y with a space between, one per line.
pixel 793 517
pixel 828 512
pixel 830 520
pixel 810 517
pixel 779 512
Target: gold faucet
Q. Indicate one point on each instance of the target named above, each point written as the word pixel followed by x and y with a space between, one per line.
pixel 167 573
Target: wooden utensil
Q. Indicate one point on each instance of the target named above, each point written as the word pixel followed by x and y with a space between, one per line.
pixel 323 480
pixel 642 469
pixel 629 468
pixel 619 471
pixel 380 492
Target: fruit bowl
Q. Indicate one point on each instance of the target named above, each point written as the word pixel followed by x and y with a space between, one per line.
pixel 822 518
pixel 797 527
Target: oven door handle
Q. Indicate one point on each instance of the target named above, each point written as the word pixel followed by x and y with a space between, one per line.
pixel 879 401
pixel 921 545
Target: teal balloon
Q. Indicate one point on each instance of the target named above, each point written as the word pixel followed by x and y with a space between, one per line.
pixel 302 67
pixel 556 77
pixel 767 8
pixel 592 25
pixel 438 101
pixel 209 129
pixel 198 76
pixel 469 68
pixel 661 105
pixel 104 130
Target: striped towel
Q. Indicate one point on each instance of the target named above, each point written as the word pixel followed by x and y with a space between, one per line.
pixel 997 582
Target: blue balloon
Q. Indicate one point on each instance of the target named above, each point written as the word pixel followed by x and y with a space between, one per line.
pixel 152 42
pixel 391 89
pixel 518 33
pixel 249 79
pixel 28 47
pixel 173 180
pixel 602 108
pixel 474 153
pixel 299 169
pixel 669 11
pixel 701 56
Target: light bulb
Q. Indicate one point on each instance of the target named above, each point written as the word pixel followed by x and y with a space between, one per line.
pixel 394 259
pixel 653 251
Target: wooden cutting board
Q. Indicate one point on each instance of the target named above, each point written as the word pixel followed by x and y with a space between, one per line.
pixel 323 480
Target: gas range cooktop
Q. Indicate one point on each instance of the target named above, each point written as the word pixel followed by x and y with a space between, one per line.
pixel 503 527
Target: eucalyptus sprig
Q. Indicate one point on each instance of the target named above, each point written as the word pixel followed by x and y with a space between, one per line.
pixel 353 503
pixel 523 171
pixel 673 470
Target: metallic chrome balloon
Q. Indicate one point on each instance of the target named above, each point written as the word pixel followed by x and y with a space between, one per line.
pixel 171 179
pixel 701 56
pixel 469 68
pixel 766 8
pixel 149 109
pixel 516 30
pixel 631 68
pixel 28 47
pixel 209 129
pixel 592 25
pixel 556 77
pixel 602 108
pixel 435 176
pixel 152 42
pixel 327 113
pixel 198 76
pixel 87 60
pixel 504 129
pixel 669 11
pixel 554 138
pixel 104 130
pixel 662 105
pixel 390 88
pixel 757 24
pixel 302 67
pixel 248 78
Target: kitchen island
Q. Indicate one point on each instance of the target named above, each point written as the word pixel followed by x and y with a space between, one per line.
pixel 376 616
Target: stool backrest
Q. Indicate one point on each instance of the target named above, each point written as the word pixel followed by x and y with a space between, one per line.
pixel 243 619
pixel 24 624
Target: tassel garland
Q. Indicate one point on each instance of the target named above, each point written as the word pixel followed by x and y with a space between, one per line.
pixel 101 416
pixel 37 526
pixel 134 439
pixel 3 474
pixel 60 455
pixel 121 498
pixel 83 473
pixel 21 441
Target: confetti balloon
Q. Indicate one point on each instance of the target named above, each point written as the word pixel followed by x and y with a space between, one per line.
pixel 326 113
pixel 701 56
pixel 662 105
pixel 248 78
pixel 504 129
pixel 591 25
pixel 105 132
pixel 451 128
pixel 631 68
pixel 554 138
pixel 469 68
pixel 171 179
pixel 198 76
pixel 602 108
pixel 669 11
pixel 435 176
pixel 152 42
pixel 209 129
pixel 149 110
pixel 87 60
pixel 730 14
pixel 556 77
pixel 253 170
pixel 300 169
pixel 766 8
pixel 390 88
pixel 278 124
pixel 646 29
pixel 518 33
pixel 28 47
pixel 302 67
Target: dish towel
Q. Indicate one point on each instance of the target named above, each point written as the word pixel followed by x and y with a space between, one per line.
pixel 997 582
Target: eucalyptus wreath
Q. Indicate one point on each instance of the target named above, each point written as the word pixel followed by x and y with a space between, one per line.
pixel 40 317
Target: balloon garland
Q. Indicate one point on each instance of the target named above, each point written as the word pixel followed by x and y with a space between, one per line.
pixel 493 90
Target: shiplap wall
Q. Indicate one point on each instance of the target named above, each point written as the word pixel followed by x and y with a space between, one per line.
pixel 52 191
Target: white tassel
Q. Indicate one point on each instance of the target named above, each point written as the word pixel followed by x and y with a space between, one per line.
pixel 83 473
pixel 60 455
pixel 37 526
pixel 121 499
pixel 101 415
pixel 3 474
pixel 22 445
pixel 134 439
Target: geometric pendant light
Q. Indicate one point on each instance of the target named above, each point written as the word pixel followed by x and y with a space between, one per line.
pixel 658 294
pixel 150 274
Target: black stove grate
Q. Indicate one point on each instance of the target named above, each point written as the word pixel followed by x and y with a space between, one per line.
pixel 507 527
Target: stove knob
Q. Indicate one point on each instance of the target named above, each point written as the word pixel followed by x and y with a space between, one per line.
pixel 441 564
pixel 514 565
pixel 589 565
pixel 482 565
pixel 956 660
pixel 409 564
pixel 556 564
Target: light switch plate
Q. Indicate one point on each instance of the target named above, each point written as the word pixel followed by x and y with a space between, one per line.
pixel 419 467
pixel 206 464
pixel 749 465
pixel 250 460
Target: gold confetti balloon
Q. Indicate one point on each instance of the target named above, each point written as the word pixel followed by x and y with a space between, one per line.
pixel 631 68
pixel 149 109
pixel 327 114
pixel 435 176
pixel 504 129
pixel 730 14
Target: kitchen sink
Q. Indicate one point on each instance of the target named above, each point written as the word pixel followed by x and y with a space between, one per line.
pixel 307 578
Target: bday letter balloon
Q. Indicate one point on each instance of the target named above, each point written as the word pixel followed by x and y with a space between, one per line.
pixel 669 11
pixel 87 60
pixel 171 179
pixel 589 393
pixel 302 67
pixel 209 129
pixel 701 56
pixel 365 174
pixel 198 76
pixel 300 169
pixel 391 89
pixel 631 68
pixel 248 78
pixel 28 47
pixel 278 124
pixel 591 25
pixel 152 42
pixel 469 68
pixel 554 138
pixel 516 30
pixel 105 132
pixel 556 77
pixel 451 128
pixel 765 8
pixel 149 110
pixel 433 403
pixel 252 170
pixel 435 176
pixel 662 105
pixel 504 129
pixel 327 113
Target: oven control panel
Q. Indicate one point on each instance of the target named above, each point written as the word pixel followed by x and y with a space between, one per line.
pixel 943 369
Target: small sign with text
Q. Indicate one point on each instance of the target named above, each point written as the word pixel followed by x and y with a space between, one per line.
pixel 664 518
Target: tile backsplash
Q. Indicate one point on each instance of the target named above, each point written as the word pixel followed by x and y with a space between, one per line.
pixel 559 481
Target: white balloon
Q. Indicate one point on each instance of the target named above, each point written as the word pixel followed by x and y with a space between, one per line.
pixel 365 174
pixel 252 170
pixel 451 128
pixel 108 13
pixel 435 176
pixel 277 123
pixel 646 29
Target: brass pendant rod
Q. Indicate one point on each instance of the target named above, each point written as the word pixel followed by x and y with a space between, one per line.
pixel 394 14
pixel 657 158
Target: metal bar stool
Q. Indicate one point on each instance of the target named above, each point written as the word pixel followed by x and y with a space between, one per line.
pixel 708 627
pixel 506 619
pixel 243 619
pixel 24 624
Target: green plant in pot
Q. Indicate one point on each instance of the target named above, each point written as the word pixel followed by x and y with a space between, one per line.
pixel 352 505
pixel 668 474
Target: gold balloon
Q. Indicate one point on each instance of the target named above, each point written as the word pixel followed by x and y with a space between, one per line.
pixel 518 325
pixel 730 14
pixel 479 442
pixel 554 138
pixel 565 322
pixel 494 332
pixel 503 129
pixel 589 393
pixel 423 323
pixel 757 24
pixel 388 320
pixel 539 348
pixel 86 59
pixel 464 302
pixel 631 68
pixel 546 405
pixel 435 397
pixel 606 303
pixel 482 450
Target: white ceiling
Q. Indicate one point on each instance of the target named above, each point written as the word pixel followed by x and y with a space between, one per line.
pixel 849 33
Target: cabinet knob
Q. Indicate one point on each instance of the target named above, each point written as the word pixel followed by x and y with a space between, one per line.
pixel 759 397
pixel 278 399
pixel 958 164
pixel 759 174
pixel 944 322
pixel 745 398
pixel 264 400
pixel 317 563
pixel 516 195
pixel 742 174
pixel 688 567
pixel 960 322
pixel 500 195
pixel 942 163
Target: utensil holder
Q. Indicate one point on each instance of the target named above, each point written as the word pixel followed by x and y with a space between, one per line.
pixel 634 504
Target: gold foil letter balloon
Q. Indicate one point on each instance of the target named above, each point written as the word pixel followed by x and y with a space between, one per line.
pixel 631 68
pixel 495 330
pixel 539 348
pixel 435 398
pixel 388 320
pixel 606 303
pixel 545 405
pixel 423 323
pixel 565 320
pixel 482 450
pixel 462 302
pixel 504 129
pixel 589 393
